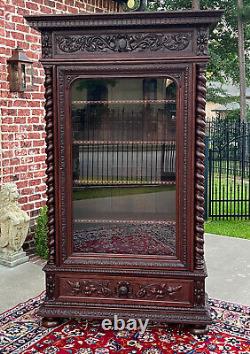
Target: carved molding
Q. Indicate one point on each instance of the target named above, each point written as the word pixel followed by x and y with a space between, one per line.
pixel 50 162
pixel 115 261
pixel 173 314
pixel 72 73
pixel 50 287
pixel 199 293
pixel 138 42
pixel 121 271
pixel 62 167
pixel 46 45
pixel 186 142
pixel 200 166
pixel 202 41
pixel 122 305
pixel 158 291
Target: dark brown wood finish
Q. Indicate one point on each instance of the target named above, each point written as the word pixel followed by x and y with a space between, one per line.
pixel 163 44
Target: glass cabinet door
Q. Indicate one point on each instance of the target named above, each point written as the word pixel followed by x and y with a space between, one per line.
pixel 124 166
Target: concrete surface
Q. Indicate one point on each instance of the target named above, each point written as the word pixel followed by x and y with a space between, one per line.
pixel 13 260
pixel 19 284
pixel 228 263
pixel 147 206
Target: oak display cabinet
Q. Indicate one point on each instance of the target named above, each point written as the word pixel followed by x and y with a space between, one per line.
pixel 125 123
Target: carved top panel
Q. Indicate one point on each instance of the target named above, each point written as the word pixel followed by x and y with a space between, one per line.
pixel 117 43
pixel 168 33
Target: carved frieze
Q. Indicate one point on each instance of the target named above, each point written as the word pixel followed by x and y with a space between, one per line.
pixel 115 43
pixel 89 288
pixel 106 288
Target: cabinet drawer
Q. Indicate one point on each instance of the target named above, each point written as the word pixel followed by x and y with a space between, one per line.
pixel 165 292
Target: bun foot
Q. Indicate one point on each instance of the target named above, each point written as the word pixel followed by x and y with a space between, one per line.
pixel 50 322
pixel 199 329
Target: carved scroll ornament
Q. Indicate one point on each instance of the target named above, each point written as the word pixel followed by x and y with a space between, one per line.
pixel 158 291
pixel 123 42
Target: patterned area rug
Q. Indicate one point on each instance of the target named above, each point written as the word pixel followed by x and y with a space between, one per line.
pixel 21 332
pixel 126 239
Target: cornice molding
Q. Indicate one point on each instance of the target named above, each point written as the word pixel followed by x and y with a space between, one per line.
pixel 118 20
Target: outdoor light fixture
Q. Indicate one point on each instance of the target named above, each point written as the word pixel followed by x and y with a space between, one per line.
pixel 18 70
pixel 133 5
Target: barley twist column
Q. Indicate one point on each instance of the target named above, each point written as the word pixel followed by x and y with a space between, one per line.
pixel 200 165
pixel 50 163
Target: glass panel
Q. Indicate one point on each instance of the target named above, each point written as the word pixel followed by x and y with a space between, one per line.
pixel 124 158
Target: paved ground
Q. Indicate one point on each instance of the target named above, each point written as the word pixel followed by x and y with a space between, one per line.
pixel 228 263
pixel 19 284
pixel 146 206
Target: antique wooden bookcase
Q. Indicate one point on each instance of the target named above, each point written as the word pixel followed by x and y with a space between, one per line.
pixel 125 123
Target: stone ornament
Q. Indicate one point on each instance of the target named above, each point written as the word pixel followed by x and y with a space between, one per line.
pixel 14 225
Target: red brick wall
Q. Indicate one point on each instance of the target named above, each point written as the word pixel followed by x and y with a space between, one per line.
pixel 22 146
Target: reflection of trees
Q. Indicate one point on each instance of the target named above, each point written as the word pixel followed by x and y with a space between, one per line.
pixel 95 85
pixel 102 123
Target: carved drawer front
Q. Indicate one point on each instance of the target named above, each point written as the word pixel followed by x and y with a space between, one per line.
pixel 161 291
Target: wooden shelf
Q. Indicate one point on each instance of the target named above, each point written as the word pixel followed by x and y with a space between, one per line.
pixel 115 221
pixel 82 182
pixel 121 142
pixel 124 102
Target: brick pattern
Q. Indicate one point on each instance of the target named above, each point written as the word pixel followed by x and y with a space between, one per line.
pixel 22 145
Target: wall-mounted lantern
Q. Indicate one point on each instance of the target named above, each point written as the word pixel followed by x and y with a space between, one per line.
pixel 18 70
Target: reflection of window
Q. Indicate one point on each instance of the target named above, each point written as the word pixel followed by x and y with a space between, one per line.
pixel 149 89
pixel 170 89
pixel 170 107
pixel 97 91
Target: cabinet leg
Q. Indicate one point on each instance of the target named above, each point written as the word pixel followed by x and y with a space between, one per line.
pixel 50 322
pixel 199 329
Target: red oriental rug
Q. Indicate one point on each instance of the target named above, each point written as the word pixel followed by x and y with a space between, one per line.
pixel 21 332
pixel 155 239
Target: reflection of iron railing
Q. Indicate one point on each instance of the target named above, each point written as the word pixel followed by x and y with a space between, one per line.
pixel 123 162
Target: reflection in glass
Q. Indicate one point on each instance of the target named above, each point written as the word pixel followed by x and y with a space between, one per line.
pixel 124 162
